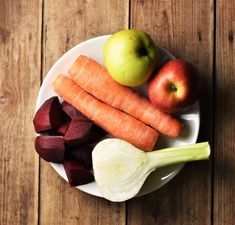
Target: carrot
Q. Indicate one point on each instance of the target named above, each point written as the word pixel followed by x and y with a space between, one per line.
pixel 115 122
pixel 94 78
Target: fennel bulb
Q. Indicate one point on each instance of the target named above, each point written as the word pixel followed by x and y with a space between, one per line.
pixel 120 168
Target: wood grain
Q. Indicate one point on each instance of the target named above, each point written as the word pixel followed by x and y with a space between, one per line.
pixel 183 27
pixel 186 29
pixel 66 23
pixel 224 162
pixel 20 44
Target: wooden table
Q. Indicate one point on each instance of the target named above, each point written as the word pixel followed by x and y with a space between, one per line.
pixel 35 33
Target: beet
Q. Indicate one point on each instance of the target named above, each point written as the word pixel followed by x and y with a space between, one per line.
pixel 78 131
pixel 50 148
pixel 76 173
pixel 81 153
pixel 96 134
pixel 71 111
pixel 50 115
pixel 62 129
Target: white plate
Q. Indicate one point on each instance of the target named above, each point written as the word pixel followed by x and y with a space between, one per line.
pixel 93 49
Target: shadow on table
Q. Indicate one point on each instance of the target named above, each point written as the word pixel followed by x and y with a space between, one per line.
pixel 187 196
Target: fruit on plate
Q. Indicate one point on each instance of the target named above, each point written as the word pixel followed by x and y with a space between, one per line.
pixel 81 153
pixel 130 57
pixel 49 115
pixel 50 148
pixel 77 174
pixel 78 130
pixel 175 86
pixel 95 80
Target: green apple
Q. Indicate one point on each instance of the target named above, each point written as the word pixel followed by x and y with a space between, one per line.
pixel 130 57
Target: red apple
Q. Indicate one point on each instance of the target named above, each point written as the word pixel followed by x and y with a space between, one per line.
pixel 175 86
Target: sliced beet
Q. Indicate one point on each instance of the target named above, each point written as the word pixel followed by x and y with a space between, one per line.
pixel 96 134
pixel 78 131
pixel 50 115
pixel 81 153
pixel 71 111
pixel 77 174
pixel 62 129
pixel 50 148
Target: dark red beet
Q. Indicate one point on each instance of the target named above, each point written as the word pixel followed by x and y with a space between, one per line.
pixel 78 131
pixel 50 148
pixel 50 115
pixel 77 174
pixel 81 153
pixel 62 129
pixel 96 134
pixel 71 111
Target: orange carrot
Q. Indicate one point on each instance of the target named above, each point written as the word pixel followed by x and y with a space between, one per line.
pixel 94 78
pixel 115 122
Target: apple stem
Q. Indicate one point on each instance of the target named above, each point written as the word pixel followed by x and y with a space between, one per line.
pixel 173 88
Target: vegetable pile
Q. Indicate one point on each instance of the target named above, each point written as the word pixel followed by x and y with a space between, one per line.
pixel 66 137
pixel 97 103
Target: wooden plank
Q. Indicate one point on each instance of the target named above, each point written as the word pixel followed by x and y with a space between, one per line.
pixel 224 175
pixel 66 24
pixel 185 28
pixel 20 45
